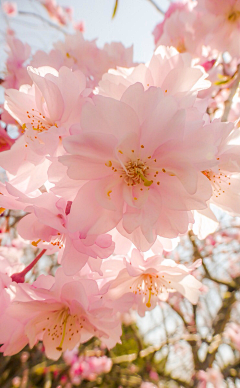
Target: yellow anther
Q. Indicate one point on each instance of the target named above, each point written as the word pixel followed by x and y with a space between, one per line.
pixel 109 192
pixel 35 243
pixel 2 209
pixel 108 164
pixel 148 304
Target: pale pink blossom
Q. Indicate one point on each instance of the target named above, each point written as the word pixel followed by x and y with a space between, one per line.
pixel 224 177
pixel 212 376
pixel 134 169
pixel 16 71
pixel 89 368
pixel 175 73
pixel 61 312
pixel 80 54
pixel 49 107
pixel 181 29
pixel 47 227
pixel 233 333
pixel 147 384
pixel 150 281
pixel 221 24
pixel 9 8
pixel 79 26
pixel 56 12
pixel 158 30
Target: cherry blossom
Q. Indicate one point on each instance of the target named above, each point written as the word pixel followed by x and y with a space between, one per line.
pixel 123 152
pixel 151 280
pixel 10 8
pixel 175 73
pixel 221 24
pixel 80 54
pixel 58 312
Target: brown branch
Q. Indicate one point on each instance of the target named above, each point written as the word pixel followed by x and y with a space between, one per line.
pixel 157 7
pixel 219 324
pixel 37 16
pixel 232 93
pixel 197 255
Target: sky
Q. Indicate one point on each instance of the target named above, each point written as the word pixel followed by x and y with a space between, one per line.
pixel 132 25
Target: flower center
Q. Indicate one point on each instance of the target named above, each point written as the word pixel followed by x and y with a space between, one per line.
pixel 148 286
pixel 181 48
pixel 135 172
pixel 63 327
pixel 39 122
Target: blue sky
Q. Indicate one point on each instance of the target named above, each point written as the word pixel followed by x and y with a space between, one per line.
pixel 133 24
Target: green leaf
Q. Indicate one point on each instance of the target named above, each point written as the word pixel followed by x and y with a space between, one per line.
pixel 115 9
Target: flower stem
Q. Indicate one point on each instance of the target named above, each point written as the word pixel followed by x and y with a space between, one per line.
pixel 20 276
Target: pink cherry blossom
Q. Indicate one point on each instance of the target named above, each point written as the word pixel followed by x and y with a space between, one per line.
pixel 151 280
pixel 56 12
pixel 43 120
pixel 47 227
pixel 182 29
pixel 80 26
pixel 212 376
pixel 147 384
pixel 89 368
pixel 175 73
pixel 158 30
pixel 80 54
pixel 221 24
pixel 60 312
pixel 224 177
pixel 10 8
pixel 123 152
pixel 233 332
pixel 18 54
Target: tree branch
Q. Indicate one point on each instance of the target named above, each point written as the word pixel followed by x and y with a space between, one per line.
pixel 233 91
pixel 35 15
pixel 157 7
pixel 219 324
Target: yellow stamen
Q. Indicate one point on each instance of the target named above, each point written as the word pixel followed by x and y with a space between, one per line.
pixel 2 209
pixel 63 335
pixel 148 304
pixel 35 243
pixel 108 164
pixel 109 192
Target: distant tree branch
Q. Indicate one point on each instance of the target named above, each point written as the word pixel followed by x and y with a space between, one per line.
pixel 232 93
pixel 157 7
pixel 35 15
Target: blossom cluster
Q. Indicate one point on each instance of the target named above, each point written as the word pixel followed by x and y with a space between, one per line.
pixel 113 162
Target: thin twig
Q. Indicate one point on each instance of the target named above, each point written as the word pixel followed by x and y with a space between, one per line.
pixel 197 255
pixel 35 15
pixel 157 7
pixel 232 93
